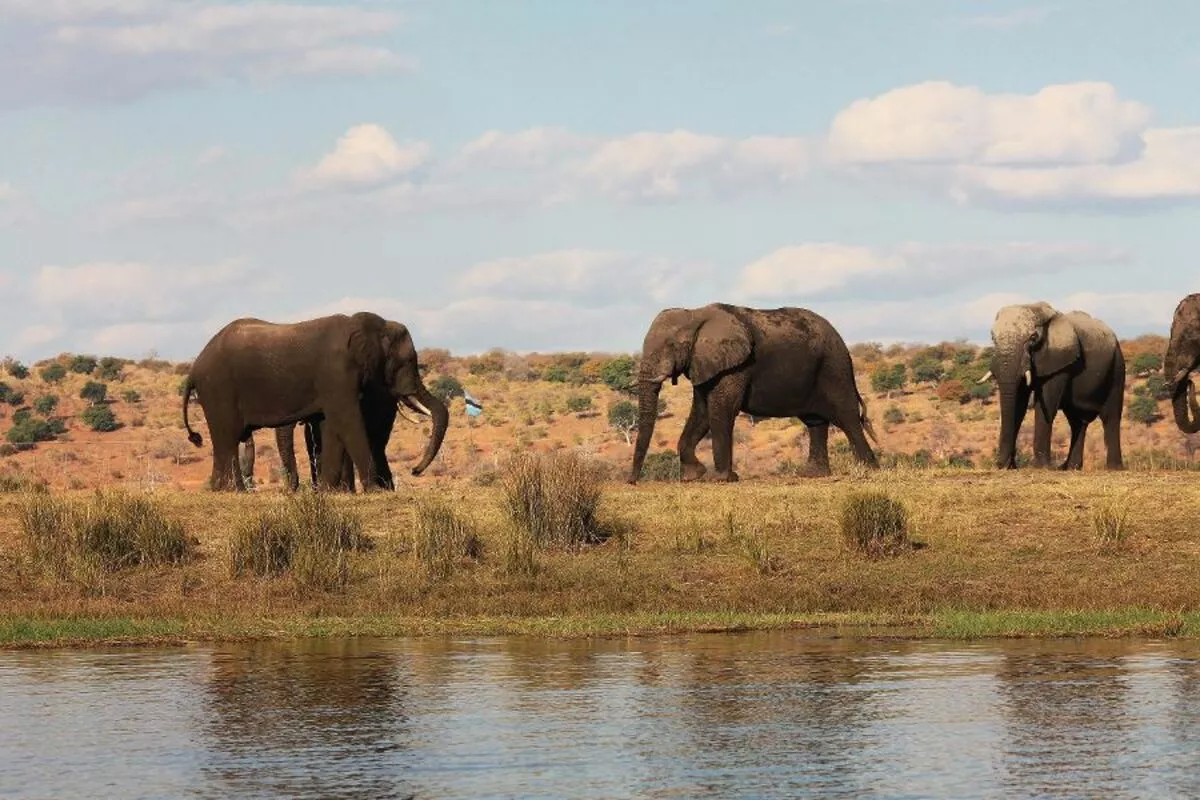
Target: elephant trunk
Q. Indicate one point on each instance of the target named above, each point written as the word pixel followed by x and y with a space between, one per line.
pixel 647 416
pixel 1183 401
pixel 1010 372
pixel 441 420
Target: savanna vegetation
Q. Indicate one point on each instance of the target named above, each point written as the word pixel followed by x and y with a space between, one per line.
pixel 524 523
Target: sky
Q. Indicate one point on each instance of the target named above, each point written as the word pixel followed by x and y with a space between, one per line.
pixel 546 176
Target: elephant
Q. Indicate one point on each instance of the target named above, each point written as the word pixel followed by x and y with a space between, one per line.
pixel 285 445
pixel 782 362
pixel 1183 356
pixel 256 374
pixel 1050 361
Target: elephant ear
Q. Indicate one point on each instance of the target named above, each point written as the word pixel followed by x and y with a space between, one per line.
pixel 365 343
pixel 723 342
pixel 1061 348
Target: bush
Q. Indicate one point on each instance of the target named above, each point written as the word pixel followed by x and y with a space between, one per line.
pixel 109 531
pixel 94 392
pixel 1143 409
pixel 83 365
pixel 579 402
pixel 442 539
pixel 13 397
pixel 981 391
pixel 131 396
pixel 925 369
pixel 953 391
pixel 1110 522
pixel 1145 363
pixel 874 523
pixel 894 415
pixel 45 404
pixel 27 431
pixel 100 419
pixel 617 373
pixel 662 466
pixel 553 498
pixel 16 369
pixel 109 369
pixel 53 373
pixel 1156 387
pixel 306 535
pixel 623 417
pixel 885 379
pixel 446 386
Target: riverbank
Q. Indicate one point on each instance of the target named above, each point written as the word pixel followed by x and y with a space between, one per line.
pixel 999 554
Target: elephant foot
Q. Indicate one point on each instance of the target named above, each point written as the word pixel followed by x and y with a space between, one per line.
pixel 816 470
pixel 691 471
pixel 724 477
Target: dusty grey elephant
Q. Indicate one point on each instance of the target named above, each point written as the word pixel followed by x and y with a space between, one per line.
pixel 1051 362
pixel 255 374
pixel 783 362
pixel 1182 358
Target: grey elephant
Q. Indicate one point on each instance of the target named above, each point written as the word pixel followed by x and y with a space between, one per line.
pixel 783 362
pixel 285 445
pixel 1182 358
pixel 1049 361
pixel 255 374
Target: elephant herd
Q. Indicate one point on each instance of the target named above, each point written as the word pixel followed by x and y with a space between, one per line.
pixel 345 377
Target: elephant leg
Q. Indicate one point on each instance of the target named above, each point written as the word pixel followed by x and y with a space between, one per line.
pixel 851 424
pixel 1110 418
pixel 724 404
pixel 225 464
pixel 1047 403
pixel 246 461
pixel 694 430
pixel 818 449
pixel 312 445
pixel 285 443
pixel 1079 428
pixel 346 422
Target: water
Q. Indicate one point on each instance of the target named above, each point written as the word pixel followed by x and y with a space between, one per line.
pixel 758 715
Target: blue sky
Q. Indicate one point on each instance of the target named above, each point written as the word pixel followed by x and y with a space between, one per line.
pixel 543 175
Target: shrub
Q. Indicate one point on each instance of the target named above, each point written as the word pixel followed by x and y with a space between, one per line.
pixel 83 365
pixel 925 369
pixel 1110 522
pixel 617 374
pixel 1143 409
pixel 53 373
pixel 109 531
pixel 94 392
pixel 131 396
pixel 894 415
pixel 623 417
pixel 45 404
pixel 306 535
pixel 1145 363
pixel 12 483
pixel 885 379
pixel 1156 387
pixel 446 386
pixel 553 498
pixel 556 373
pixel 27 431
pixel 953 391
pixel 16 369
pixel 14 397
pixel 442 538
pixel 663 466
pixel 109 369
pixel 100 419
pixel 579 402
pixel 981 391
pixel 874 523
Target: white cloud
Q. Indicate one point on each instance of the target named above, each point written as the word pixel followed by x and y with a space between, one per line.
pixel 1017 18
pixel 830 269
pixel 116 50
pixel 367 155
pixel 940 123
pixel 585 276
pixel 531 147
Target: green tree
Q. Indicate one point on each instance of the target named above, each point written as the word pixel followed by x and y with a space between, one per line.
pixel 100 418
pixel 1145 363
pixel 617 373
pixel 1143 409
pixel 579 402
pixel 53 372
pixel 109 369
pixel 131 396
pixel 16 369
pixel 45 404
pixel 84 365
pixel 926 369
pixel 446 386
pixel 623 417
pixel 885 379
pixel 1156 387
pixel 94 392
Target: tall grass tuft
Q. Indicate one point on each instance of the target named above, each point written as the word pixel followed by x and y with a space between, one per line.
pixel 110 531
pixel 874 523
pixel 553 498
pixel 1110 522
pixel 306 535
pixel 442 538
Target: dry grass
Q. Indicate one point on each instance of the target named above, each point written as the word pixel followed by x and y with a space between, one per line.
pixel 1018 543
pixel 442 538
pixel 874 523
pixel 553 498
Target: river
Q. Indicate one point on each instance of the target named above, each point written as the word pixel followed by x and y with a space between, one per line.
pixel 780 714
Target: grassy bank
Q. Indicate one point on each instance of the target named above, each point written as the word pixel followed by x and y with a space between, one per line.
pixel 998 554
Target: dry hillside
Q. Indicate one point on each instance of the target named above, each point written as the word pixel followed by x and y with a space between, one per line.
pixel 542 402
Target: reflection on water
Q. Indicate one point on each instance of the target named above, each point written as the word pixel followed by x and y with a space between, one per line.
pixel 780 714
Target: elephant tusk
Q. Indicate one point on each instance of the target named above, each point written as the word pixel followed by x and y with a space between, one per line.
pixel 1029 377
pixel 986 377
pixel 406 417
pixel 1179 376
pixel 416 405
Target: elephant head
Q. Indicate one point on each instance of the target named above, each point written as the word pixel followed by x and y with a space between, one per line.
pixel 1032 342
pixel 385 354
pixel 1183 356
pixel 699 343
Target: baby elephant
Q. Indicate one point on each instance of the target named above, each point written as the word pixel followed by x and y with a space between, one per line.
pixel 1068 362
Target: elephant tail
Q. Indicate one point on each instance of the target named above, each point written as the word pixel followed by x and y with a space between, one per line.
pixel 188 387
pixel 868 428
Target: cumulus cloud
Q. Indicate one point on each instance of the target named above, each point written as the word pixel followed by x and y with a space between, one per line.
pixel 118 50
pixel 831 269
pixel 367 155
